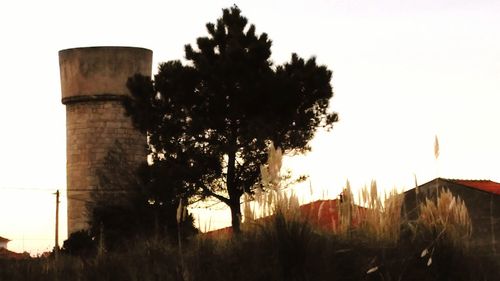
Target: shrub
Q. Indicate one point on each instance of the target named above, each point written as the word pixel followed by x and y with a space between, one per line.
pixel 80 243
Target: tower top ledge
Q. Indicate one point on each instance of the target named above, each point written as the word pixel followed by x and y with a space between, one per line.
pixel 94 73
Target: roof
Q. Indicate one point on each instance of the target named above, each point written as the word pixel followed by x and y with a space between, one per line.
pixel 480 185
pixel 323 214
pixel 6 254
pixel 4 239
pixel 484 185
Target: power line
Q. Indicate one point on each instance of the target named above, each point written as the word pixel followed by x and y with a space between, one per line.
pixel 62 190
pixel 110 190
pixel 27 189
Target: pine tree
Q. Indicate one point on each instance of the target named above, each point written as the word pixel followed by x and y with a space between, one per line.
pixel 210 120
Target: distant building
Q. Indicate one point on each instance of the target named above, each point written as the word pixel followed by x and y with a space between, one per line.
pixel 3 242
pixel 482 199
pixel 6 254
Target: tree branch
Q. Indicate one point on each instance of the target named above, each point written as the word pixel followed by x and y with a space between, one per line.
pixel 213 194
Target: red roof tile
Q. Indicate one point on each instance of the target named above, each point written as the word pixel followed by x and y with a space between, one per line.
pixel 484 185
pixel 4 239
pixel 6 254
pixel 323 214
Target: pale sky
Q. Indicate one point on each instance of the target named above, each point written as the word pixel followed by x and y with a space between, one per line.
pixel 404 71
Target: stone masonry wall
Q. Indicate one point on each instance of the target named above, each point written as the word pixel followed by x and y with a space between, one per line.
pixel 92 130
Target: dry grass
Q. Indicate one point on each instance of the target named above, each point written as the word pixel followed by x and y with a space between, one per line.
pixel 375 217
pixel 382 220
pixel 347 213
pixel 272 196
pixel 446 218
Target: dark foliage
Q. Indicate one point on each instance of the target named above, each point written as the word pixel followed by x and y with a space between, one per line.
pixel 209 121
pixel 280 250
pixel 80 243
pixel 134 203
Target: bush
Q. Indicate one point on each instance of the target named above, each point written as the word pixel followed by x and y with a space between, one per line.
pixel 80 243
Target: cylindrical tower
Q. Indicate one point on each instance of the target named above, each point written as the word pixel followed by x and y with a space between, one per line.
pixel 93 84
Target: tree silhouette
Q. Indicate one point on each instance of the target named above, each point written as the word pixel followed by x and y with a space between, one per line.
pixel 130 203
pixel 209 120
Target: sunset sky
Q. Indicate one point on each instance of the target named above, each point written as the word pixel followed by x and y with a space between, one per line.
pixel 403 72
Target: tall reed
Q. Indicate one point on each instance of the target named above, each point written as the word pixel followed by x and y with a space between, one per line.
pixel 446 218
pixel 381 221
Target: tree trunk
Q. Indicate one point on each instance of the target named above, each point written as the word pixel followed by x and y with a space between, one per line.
pixel 235 215
pixel 233 191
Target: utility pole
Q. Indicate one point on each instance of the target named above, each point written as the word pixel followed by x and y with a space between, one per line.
pixel 56 247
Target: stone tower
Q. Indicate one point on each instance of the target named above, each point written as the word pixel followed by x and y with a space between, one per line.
pixel 93 84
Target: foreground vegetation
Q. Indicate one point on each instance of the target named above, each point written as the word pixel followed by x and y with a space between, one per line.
pixel 284 251
pixel 380 244
pixel 370 240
